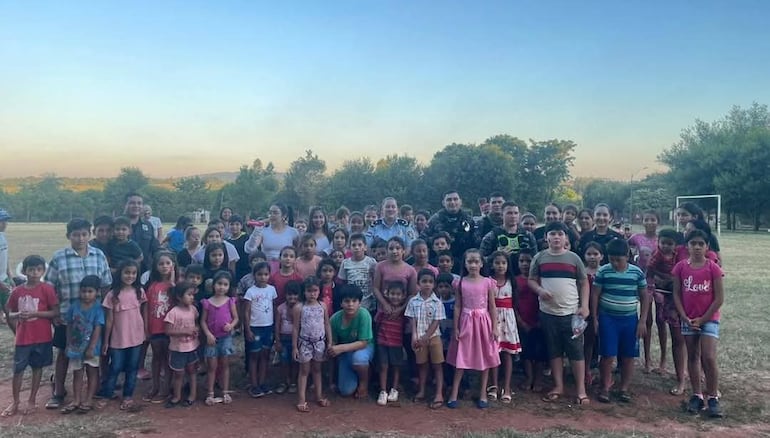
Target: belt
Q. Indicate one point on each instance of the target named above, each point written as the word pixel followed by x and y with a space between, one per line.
pixel 504 303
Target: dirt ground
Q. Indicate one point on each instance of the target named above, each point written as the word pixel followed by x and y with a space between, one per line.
pixel 652 412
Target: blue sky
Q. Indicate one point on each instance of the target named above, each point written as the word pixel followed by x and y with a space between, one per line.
pixel 186 87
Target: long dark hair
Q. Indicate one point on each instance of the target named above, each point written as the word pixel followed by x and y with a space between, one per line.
pixel 209 249
pixel 311 227
pixel 154 273
pixel 117 281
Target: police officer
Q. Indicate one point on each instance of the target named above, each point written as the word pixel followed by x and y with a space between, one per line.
pixel 508 237
pixel 390 225
pixel 142 232
pixel 458 223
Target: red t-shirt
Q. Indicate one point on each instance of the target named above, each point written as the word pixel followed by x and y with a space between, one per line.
pixel 159 303
pixel 528 302
pixel 39 298
pixel 279 281
pixel 697 287
pixel 390 331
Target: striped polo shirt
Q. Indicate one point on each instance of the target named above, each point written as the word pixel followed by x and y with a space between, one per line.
pixel 620 290
pixel 559 274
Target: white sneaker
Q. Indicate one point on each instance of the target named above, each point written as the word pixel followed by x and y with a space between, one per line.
pixel 382 400
pixel 393 396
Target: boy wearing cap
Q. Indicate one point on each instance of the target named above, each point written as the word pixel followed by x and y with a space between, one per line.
pixel 6 279
pixel 558 277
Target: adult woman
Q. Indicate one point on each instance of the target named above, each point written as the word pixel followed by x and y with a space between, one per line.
pixel 225 214
pixel 319 228
pixel 389 225
pixel 278 232
pixel 689 211
pixel 585 219
pixel 192 243
pixel 601 233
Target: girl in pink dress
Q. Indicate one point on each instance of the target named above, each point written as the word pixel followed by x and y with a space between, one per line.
pixel 474 344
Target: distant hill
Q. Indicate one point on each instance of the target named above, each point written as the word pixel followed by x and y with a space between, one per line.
pixel 12 185
pixel 226 177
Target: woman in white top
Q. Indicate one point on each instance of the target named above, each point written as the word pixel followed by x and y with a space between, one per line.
pixel 319 228
pixel 273 236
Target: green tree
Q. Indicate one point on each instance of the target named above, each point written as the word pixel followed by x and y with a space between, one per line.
pixel 251 192
pixel 130 180
pixel 613 193
pixel 352 185
pixel 190 194
pixel 304 182
pixel 399 177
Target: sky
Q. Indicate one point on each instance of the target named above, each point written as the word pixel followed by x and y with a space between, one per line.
pixel 181 88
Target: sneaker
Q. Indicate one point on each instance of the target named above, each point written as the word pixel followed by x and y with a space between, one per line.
pixel 265 389
pixel 713 408
pixel 695 405
pixel 382 400
pixel 393 395
pixel 256 392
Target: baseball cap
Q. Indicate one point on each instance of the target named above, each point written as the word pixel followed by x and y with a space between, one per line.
pixel 4 216
pixel 556 226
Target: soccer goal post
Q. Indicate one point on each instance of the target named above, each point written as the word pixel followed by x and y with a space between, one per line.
pixel 719 209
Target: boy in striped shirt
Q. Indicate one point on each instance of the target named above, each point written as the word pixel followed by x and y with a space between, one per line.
pixel 618 289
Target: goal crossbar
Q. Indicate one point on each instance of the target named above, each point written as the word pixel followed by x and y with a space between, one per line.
pixel 719 209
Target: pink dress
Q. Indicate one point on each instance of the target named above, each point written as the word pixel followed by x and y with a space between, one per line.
pixel 477 348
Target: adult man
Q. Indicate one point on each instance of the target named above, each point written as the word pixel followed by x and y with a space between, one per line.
pixel 142 232
pixel 154 221
pixel 458 223
pixel 507 238
pixel 494 218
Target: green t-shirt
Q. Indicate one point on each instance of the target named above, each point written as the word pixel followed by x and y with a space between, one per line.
pixel 359 329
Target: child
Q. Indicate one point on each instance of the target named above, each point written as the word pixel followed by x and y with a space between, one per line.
pixel 301 226
pixel 533 348
pixel 284 326
pixel 442 241
pixel 569 215
pixel 260 299
pixel 446 263
pixel 337 256
pixel 103 229
pixel 307 263
pixel 359 270
pixel 219 319
pixel 474 344
pixel 31 307
pixel 247 280
pixel 175 238
pixel 285 273
pixel 192 244
pixel 420 257
pixel 353 343
pixel 340 241
pixel 642 246
pixel 659 276
pixel 85 321
pixel 446 294
pixel 559 279
pixel 162 279
pixel 393 269
pixel 371 214
pixel 698 295
pixel 357 223
pixel 238 239
pixel 426 313
pixel 593 255
pixel 618 289
pixel 327 281
pixel 182 329
pixel 509 344
pixel 122 248
pixel 311 337
pixel 390 332
pixel 124 330
pixel 379 250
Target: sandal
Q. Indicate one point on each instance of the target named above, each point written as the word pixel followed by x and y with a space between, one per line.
pixel 188 403
pixel 676 391
pixel 303 407
pixel 226 398
pixel 211 400
pixel 437 404
pixel 552 397
pixel 418 399
pixel 583 400
pixel 170 403
pixel 68 409
pixel 281 388
pixel 149 396
pixel 624 396
pixel 126 405
pixel 324 402
pixel 54 402
pixel 293 388
pixel 604 397
pixel 84 409
pixel 492 392
pixel 505 397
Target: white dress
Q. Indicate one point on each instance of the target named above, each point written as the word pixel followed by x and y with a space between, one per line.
pixel 506 318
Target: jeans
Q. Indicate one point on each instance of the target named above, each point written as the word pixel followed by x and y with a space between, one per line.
pixel 123 360
pixel 347 378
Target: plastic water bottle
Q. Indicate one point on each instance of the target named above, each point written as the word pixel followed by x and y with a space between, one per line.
pixel 578 325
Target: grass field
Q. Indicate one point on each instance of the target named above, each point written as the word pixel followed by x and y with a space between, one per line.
pixel 744 348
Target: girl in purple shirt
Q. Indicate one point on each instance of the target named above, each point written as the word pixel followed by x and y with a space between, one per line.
pixel 219 317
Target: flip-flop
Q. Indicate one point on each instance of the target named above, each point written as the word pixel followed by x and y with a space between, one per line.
pixel 281 388
pixel 506 397
pixel 68 409
pixel 492 392
pixel 420 399
pixel 552 397
pixel 482 404
pixel 303 407
pixel 603 397
pixel 676 391
pixel 324 402
pixel 437 404
pixel 451 404
pixel 84 409
pixel 582 401
pixel 624 396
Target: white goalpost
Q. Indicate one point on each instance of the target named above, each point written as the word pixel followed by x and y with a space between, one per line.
pixel 719 209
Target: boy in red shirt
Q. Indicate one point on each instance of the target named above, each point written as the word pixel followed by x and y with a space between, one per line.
pixel 31 307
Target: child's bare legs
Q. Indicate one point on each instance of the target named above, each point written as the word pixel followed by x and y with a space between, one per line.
pixel 263 361
pixel 438 374
pixel 159 364
pixel 384 377
pixel 253 362
pixel 557 373
pixel 484 381
pixel 647 340
pixel 315 369
pixel 493 376
pixel 605 372
pixel 224 365
pixel 708 353
pixel 663 339
pixel 92 376
pixel 14 406
pixel 37 375
pixel 578 369
pixel 60 373
pixel 508 370
pixel 422 370
pixel 456 384
pixel 77 387
pixel 178 377
pixel 304 370
pixel 694 361
pixel 589 341
pixel 678 353
pixel 211 377
pixel 363 380
pixel 626 372
pixel 191 372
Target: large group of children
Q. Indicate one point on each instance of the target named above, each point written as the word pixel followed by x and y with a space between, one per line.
pixel 316 297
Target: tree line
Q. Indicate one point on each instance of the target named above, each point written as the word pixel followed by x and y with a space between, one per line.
pixel 730 156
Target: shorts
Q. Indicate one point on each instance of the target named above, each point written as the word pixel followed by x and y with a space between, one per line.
pixel 159 337
pixel 533 345
pixel 223 347
pixel 557 331
pixel 79 364
pixel 617 336
pixel 710 329
pixel 35 356
pixel 433 352
pixel 390 356
pixel 311 349
pixel 60 336
pixel 263 339
pixel 179 361
pixel 287 349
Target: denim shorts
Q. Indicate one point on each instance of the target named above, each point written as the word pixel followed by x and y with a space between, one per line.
pixel 223 347
pixel 287 349
pixel 710 329
pixel 178 360
pixel 263 339
pixel 35 356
